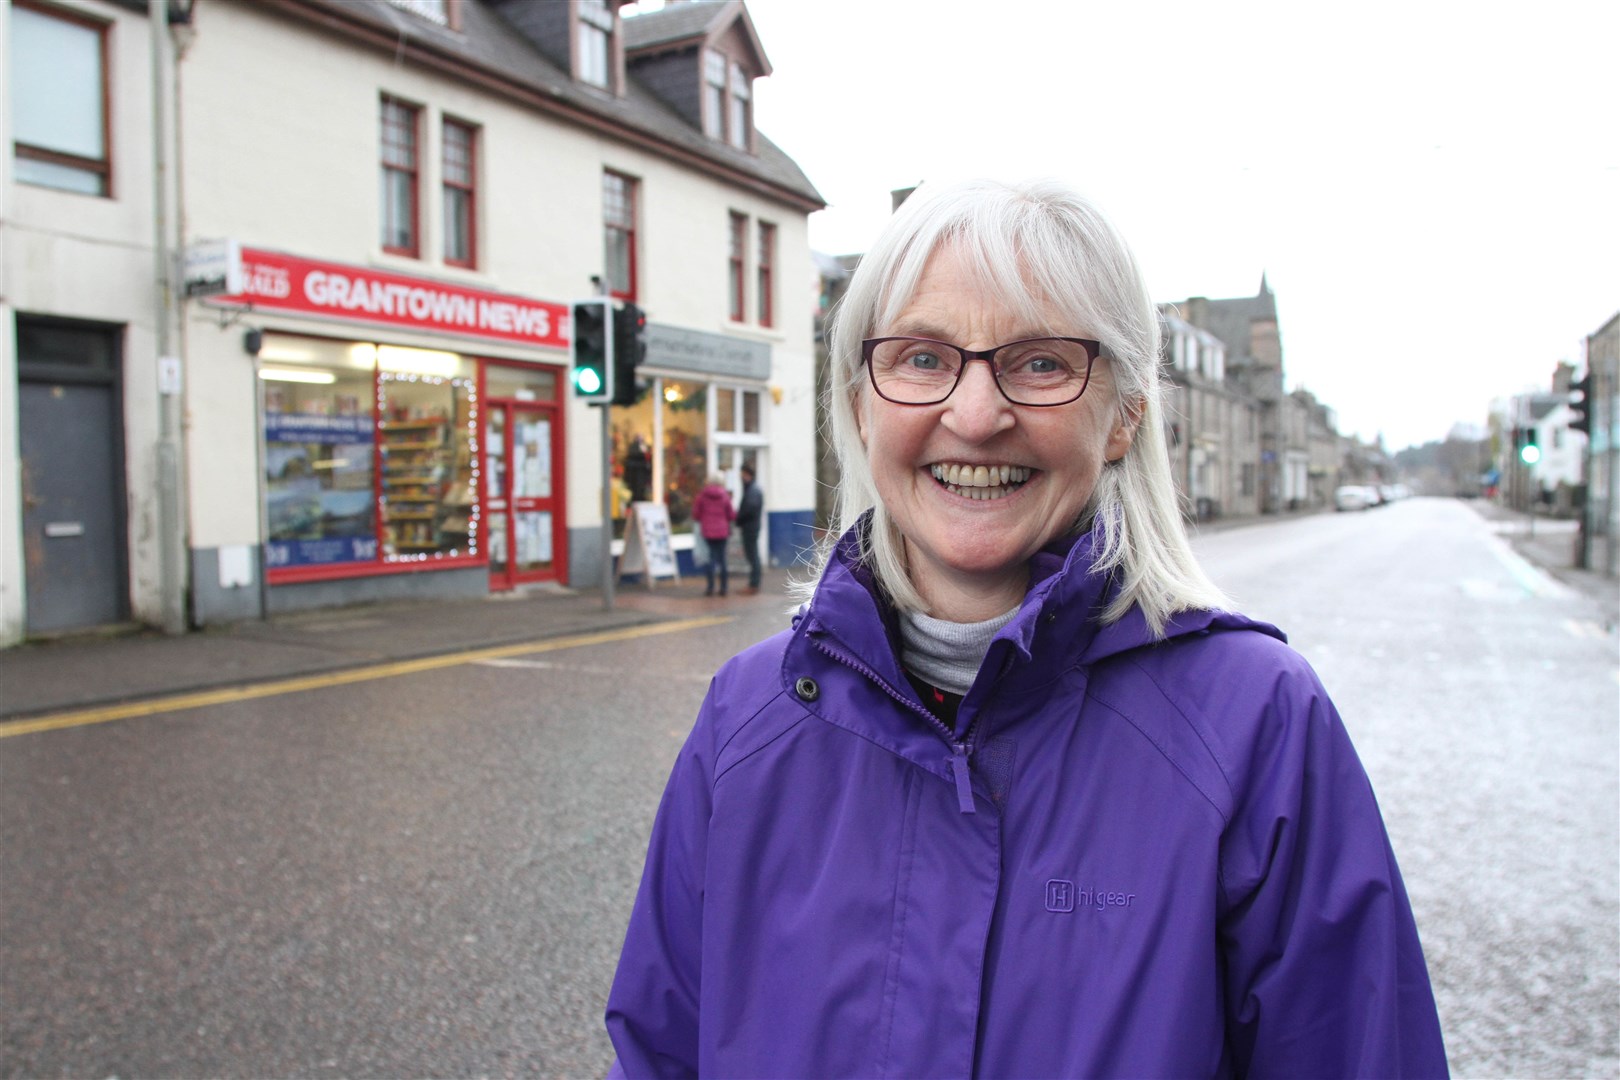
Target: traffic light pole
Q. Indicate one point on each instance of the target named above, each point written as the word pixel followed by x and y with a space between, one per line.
pixel 607 455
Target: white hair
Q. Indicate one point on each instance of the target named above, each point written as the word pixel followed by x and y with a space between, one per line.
pixel 1033 248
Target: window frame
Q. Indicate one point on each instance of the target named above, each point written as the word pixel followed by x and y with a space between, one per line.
pixel 102 168
pixel 766 272
pixel 469 189
pixel 632 196
pixel 739 109
pixel 414 172
pixel 714 94
pixel 737 267
pixel 594 23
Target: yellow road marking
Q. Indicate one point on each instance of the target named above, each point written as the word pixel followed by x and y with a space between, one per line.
pixel 201 699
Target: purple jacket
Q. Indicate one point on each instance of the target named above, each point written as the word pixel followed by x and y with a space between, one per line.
pixel 1127 859
pixel 713 512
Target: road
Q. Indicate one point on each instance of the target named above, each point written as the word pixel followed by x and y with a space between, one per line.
pixel 429 874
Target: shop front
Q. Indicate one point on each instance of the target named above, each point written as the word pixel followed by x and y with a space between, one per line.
pixel 701 411
pixel 382 462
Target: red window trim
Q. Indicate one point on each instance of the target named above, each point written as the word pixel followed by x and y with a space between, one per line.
pixel 632 196
pixel 767 273
pixel 103 167
pixel 739 280
pixel 470 188
pixel 415 173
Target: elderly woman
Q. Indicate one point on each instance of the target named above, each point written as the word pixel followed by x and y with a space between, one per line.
pixel 1018 794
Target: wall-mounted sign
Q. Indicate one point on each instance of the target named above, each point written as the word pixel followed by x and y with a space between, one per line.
pixel 711 354
pixel 212 268
pixel 275 282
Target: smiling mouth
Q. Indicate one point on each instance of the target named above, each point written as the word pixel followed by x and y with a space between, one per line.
pixel 982 482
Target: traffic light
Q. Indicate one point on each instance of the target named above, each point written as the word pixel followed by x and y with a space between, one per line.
pixel 592 377
pixel 1529 452
pixel 629 350
pixel 1580 403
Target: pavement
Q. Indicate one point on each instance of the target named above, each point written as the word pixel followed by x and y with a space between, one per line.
pixel 109 669
pixel 1550 543
pixel 105 669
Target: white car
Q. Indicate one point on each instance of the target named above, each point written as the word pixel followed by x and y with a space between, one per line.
pixel 1354 497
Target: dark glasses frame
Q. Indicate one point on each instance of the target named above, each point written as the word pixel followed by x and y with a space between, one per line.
pixel 1093 351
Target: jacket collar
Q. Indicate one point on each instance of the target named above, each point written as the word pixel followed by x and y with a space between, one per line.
pixel 1061 615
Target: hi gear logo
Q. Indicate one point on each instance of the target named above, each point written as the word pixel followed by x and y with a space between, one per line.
pixel 1062 896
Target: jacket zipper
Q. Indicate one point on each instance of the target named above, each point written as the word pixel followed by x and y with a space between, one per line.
pixel 961 749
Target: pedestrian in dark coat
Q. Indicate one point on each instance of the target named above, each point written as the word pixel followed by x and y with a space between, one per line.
pixel 750 511
pixel 1018 794
pixel 712 512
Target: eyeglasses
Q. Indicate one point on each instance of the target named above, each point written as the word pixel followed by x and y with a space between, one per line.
pixel 1036 371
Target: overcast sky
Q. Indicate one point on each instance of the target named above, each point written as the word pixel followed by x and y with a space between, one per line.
pixel 1433 189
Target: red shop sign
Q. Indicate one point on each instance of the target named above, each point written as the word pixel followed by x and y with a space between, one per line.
pixel 276 282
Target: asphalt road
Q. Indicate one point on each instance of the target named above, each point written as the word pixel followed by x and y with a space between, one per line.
pixel 429 875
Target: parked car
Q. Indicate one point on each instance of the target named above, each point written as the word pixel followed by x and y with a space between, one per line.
pixel 1354 497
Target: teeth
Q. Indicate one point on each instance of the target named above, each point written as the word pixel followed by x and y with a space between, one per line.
pixel 981 482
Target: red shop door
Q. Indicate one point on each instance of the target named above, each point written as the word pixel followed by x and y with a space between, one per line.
pixel 523 482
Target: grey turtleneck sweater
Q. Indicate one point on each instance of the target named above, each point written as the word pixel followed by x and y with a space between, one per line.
pixel 946 654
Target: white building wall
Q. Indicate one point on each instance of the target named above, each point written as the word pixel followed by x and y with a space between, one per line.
pixel 281 129
pixel 88 257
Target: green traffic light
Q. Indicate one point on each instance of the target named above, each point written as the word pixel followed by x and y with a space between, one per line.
pixel 1530 454
pixel 589 380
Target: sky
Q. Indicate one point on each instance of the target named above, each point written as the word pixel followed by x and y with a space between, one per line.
pixel 1432 189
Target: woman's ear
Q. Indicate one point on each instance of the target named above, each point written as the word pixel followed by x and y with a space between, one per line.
pixel 1124 431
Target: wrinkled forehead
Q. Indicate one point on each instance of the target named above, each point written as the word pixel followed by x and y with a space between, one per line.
pixel 1002 270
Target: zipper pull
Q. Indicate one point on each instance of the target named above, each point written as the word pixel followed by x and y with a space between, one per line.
pixel 964 784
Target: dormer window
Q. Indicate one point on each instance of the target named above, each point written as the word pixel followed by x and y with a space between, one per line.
pixel 437 11
pixel 714 94
pixel 595 43
pixel 741 109
pixel 702 58
pixel 728 108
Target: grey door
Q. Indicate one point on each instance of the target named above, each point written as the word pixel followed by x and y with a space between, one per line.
pixel 73 542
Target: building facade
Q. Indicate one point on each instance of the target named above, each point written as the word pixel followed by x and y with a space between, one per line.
pixel 1600 535
pixel 1239 444
pixel 386 209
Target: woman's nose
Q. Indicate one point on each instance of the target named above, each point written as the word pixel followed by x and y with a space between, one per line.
pixel 977 409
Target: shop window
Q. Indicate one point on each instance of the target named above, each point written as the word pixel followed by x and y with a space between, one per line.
pixel 460 194
pixel 59 100
pixel 734 274
pixel 427 435
pixel 371 454
pixel 767 272
pixel 684 426
pixel 619 229
pixel 736 411
pixel 319 454
pixel 399 177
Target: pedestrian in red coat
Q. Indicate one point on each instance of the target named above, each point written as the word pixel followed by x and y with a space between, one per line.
pixel 713 514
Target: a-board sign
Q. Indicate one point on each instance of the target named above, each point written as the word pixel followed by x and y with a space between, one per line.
pixel 647 547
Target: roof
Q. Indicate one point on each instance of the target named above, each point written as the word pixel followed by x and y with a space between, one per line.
pixel 1229 319
pixel 693 22
pixel 490 50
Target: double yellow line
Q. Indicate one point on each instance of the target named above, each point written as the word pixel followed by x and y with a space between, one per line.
pixel 202 699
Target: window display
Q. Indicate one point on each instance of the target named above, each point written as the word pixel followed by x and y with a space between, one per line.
pixel 370 454
pixel 661 445
pixel 318 467
pixel 428 453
